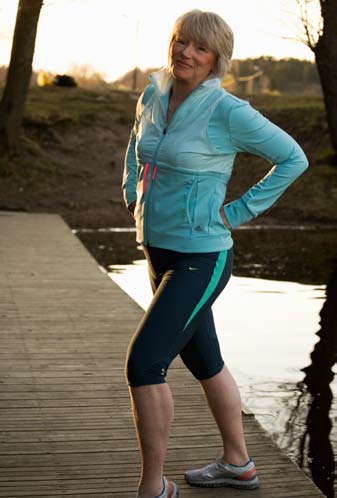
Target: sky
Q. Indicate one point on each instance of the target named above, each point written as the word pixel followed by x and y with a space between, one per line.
pixel 113 36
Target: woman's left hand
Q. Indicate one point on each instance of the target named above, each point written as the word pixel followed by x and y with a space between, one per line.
pixel 224 219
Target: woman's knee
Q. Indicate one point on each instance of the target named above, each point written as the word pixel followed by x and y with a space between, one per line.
pixel 200 367
pixel 141 371
pixel 207 371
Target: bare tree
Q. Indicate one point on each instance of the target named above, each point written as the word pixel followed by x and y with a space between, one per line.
pixel 322 40
pixel 19 72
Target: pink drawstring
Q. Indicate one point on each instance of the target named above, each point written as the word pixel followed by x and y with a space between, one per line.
pixel 146 168
pixel 154 172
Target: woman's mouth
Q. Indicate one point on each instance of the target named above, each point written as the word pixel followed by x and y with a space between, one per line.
pixel 182 64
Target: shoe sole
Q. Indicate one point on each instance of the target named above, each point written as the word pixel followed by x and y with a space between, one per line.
pixel 225 483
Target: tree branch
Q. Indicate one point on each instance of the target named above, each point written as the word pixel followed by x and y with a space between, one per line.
pixel 312 35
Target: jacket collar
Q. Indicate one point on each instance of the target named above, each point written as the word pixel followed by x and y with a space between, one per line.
pixel 162 82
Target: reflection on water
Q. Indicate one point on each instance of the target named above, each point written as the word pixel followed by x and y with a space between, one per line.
pixel 318 376
pixel 302 255
pixel 277 330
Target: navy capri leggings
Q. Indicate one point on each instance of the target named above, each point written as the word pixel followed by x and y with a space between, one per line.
pixel 179 319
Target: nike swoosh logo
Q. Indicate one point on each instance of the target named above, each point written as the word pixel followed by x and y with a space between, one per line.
pixel 192 269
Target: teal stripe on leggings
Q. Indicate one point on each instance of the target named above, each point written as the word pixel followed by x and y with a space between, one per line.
pixel 217 272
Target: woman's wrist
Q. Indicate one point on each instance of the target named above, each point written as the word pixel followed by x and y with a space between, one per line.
pixel 132 207
pixel 224 218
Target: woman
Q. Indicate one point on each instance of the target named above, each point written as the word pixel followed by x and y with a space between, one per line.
pixel 179 160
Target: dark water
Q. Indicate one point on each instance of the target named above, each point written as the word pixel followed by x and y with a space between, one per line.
pixel 282 344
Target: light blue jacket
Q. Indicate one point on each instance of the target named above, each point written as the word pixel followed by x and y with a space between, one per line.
pixel 178 173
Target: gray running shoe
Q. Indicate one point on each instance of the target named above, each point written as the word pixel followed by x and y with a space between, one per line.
pixel 221 473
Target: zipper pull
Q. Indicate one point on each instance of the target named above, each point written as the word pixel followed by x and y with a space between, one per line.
pixel 164 131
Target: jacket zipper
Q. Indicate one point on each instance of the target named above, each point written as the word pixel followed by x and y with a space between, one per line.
pixel 153 176
pixel 148 193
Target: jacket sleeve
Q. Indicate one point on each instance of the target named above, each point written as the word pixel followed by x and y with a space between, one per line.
pixel 130 169
pixel 129 182
pixel 130 165
pixel 252 132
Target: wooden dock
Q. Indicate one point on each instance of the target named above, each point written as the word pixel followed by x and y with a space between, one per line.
pixel 65 423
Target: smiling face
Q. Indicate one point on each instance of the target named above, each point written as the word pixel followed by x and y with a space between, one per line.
pixel 190 62
pixel 211 39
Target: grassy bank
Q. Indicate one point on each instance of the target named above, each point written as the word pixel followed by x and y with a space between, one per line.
pixel 72 159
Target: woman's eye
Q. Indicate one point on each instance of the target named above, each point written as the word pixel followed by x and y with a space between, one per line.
pixel 180 40
pixel 203 48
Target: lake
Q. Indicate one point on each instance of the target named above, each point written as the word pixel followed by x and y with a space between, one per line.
pixel 277 328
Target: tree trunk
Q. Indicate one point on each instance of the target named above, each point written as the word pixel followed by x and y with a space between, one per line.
pixel 13 101
pixel 326 60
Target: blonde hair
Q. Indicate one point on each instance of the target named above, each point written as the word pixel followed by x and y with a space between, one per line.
pixel 209 30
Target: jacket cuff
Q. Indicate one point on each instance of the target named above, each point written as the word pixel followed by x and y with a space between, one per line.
pixel 129 198
pixel 237 213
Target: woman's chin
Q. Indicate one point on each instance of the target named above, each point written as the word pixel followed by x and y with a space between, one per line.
pixel 179 75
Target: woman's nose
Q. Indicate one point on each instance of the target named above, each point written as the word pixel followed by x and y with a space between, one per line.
pixel 188 49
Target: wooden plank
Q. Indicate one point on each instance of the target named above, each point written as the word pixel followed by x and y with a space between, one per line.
pixel 65 418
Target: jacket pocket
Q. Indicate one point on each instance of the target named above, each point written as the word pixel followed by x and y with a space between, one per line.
pixel 209 196
pixel 171 202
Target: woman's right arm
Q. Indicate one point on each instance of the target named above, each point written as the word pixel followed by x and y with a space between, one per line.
pixel 129 182
pixel 130 170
